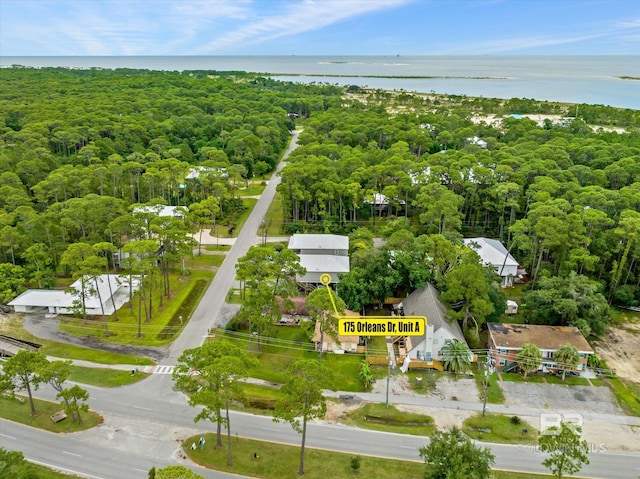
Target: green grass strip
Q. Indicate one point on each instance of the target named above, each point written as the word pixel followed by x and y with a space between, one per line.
pixel 19 410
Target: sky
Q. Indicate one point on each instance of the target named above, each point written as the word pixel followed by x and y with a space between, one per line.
pixel 319 27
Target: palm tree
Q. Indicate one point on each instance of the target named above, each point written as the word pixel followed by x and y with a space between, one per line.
pixel 529 358
pixel 567 357
pixel 456 356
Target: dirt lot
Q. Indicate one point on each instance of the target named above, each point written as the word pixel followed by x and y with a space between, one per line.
pixel 620 347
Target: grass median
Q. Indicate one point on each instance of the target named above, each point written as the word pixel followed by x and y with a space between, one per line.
pixel 500 428
pixel 381 418
pixel 280 461
pixel 18 410
pixel 104 377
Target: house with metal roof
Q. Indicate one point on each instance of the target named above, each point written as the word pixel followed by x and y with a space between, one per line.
pixel 493 253
pixel 107 293
pixel 321 254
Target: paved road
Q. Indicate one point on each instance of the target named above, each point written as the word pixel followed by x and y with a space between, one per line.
pixel 211 311
pixel 142 429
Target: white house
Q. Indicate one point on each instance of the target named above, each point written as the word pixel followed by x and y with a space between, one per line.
pixel 424 302
pixel 162 210
pixel 111 293
pixel 477 141
pixel 493 253
pixel 321 254
pixel 195 172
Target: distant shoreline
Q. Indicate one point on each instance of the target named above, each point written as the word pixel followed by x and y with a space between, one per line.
pixel 409 77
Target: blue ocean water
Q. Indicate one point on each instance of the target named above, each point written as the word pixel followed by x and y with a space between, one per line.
pixel 571 79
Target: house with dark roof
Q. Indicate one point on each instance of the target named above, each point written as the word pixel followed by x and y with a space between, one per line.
pixel 493 253
pixel 321 254
pixel 427 348
pixel 506 340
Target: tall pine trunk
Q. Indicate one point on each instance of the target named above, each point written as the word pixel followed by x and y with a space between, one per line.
pixel 304 436
pixel 229 458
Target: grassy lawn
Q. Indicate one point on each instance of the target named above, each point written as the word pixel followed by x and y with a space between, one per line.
pixel 20 412
pixel 377 346
pixel 519 378
pixel 204 261
pixel 254 189
pixel 279 461
pixel 569 380
pixel 66 351
pixel 380 418
pixel 232 230
pixel 288 344
pixel 627 394
pixel 46 473
pixel 233 296
pixel 216 247
pixel 274 218
pixel 499 428
pixel 165 323
pixel 622 316
pixel 104 377
pixel 260 399
pixel 494 393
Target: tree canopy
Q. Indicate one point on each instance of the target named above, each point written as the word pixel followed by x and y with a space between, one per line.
pixel 452 455
pixel 567 453
pixel 302 398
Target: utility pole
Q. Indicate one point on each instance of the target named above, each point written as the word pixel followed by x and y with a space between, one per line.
pixel 486 383
pixel 388 378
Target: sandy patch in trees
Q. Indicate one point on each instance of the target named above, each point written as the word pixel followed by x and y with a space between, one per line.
pixel 620 348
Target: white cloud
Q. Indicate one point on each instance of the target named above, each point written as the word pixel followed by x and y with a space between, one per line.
pixel 547 39
pixel 634 23
pixel 295 18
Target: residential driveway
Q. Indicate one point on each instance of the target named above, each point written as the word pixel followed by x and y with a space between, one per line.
pixel 560 397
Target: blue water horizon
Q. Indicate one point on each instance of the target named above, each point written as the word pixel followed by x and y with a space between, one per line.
pixel 594 79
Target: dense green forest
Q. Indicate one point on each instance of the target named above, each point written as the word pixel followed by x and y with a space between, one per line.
pixel 564 196
pixel 79 148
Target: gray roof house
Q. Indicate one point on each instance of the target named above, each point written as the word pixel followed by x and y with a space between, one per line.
pixel 493 253
pixel 424 302
pixel 320 254
pixel 113 289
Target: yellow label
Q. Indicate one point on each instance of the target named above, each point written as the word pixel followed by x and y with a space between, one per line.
pixel 396 326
